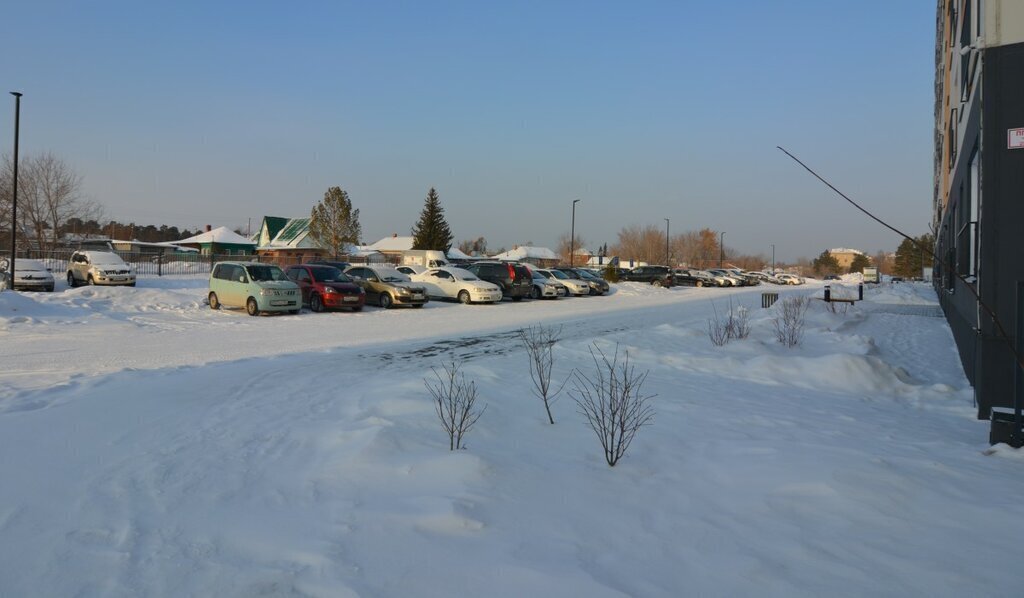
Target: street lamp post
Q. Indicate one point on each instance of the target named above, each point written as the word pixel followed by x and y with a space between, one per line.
pixel 773 258
pixel 572 233
pixel 721 250
pixel 667 260
pixel 14 199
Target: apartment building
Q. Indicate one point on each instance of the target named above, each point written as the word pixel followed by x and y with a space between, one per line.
pixel 979 184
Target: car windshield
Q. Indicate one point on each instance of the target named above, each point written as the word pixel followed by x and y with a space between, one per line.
pixel 589 275
pixel 559 274
pixel 24 266
pixel 106 259
pixel 265 273
pixel 329 275
pixel 388 275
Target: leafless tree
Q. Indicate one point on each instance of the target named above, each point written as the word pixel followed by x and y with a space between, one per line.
pixel 454 402
pixel 564 249
pixel 718 328
pixel 643 243
pixel 540 343
pixel 612 401
pixel 49 194
pixel 789 324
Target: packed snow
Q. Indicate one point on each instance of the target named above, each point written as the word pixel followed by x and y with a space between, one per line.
pixel 152 446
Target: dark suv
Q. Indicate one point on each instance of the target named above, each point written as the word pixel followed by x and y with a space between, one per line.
pixel 515 280
pixel 659 276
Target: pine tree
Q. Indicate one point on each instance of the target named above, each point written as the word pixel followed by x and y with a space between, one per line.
pixel 432 231
pixel 826 263
pixel 333 224
pixel 910 260
pixel 860 261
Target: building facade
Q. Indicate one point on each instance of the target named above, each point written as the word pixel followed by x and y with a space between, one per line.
pixel 978 203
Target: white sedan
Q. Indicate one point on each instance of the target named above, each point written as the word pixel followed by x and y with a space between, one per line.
pixel 30 275
pixel 574 286
pixel 456 283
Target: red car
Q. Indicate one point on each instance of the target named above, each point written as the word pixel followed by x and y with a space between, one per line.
pixel 326 287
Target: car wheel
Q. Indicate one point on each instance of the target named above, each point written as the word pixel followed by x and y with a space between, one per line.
pixel 535 293
pixel 464 297
pixel 385 300
pixel 71 280
pixel 251 307
pixel 315 304
pixel 214 301
pixel 656 283
pixel 90 281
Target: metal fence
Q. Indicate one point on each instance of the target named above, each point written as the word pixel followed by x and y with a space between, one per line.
pixel 156 264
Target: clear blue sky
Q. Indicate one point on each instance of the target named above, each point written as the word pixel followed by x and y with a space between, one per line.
pixel 193 113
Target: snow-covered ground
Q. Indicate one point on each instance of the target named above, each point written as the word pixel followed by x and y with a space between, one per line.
pixel 152 446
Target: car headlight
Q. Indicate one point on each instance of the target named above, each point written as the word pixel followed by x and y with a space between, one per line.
pixel 330 290
pixel 403 291
pixel 266 292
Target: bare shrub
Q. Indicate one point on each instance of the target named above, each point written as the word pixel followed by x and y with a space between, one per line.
pixel 613 402
pixel 734 325
pixel 789 324
pixel 540 343
pixel 837 307
pixel 454 402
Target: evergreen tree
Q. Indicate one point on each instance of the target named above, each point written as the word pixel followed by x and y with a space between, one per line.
pixel 826 263
pixel 432 231
pixel 333 224
pixel 860 261
pixel 910 260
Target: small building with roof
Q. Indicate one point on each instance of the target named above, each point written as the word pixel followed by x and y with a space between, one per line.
pixel 538 256
pixel 219 241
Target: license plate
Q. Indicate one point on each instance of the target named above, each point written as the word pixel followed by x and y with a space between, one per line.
pixel 417 295
pixel 279 302
pixel 350 299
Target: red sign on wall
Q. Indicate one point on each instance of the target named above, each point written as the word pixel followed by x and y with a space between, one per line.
pixel 1015 138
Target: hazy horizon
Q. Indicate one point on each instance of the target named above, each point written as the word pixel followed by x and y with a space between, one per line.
pixel 188 114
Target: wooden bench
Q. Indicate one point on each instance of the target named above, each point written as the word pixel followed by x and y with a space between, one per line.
pixel 840 300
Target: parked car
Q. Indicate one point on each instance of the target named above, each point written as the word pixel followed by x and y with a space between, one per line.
pixel 547 288
pixel 696 278
pixel 259 288
pixel 387 287
pixel 29 275
pixel 831 277
pixel 339 265
pixel 456 283
pixel 515 280
pixel 99 267
pixel 659 276
pixel 730 277
pixel 598 285
pixel 793 279
pixel 573 286
pixel 411 271
pixel 326 287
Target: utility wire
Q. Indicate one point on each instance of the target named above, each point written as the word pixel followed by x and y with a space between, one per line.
pixel 947 265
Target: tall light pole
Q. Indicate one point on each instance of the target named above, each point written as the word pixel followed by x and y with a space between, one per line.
pixel 14 202
pixel 667 261
pixel 572 232
pixel 721 249
pixel 773 258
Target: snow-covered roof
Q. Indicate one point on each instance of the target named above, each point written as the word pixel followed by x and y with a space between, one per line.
pixel 845 250
pixel 221 234
pixel 528 252
pixel 393 244
pixel 455 254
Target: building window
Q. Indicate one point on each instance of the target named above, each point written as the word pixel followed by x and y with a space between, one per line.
pixel 951 137
pixel 974 197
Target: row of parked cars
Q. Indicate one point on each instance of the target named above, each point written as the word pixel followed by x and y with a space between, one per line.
pixel 663 276
pixel 324 285
pixel 84 267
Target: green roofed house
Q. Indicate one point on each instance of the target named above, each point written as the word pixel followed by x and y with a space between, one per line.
pixel 219 241
pixel 287 241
